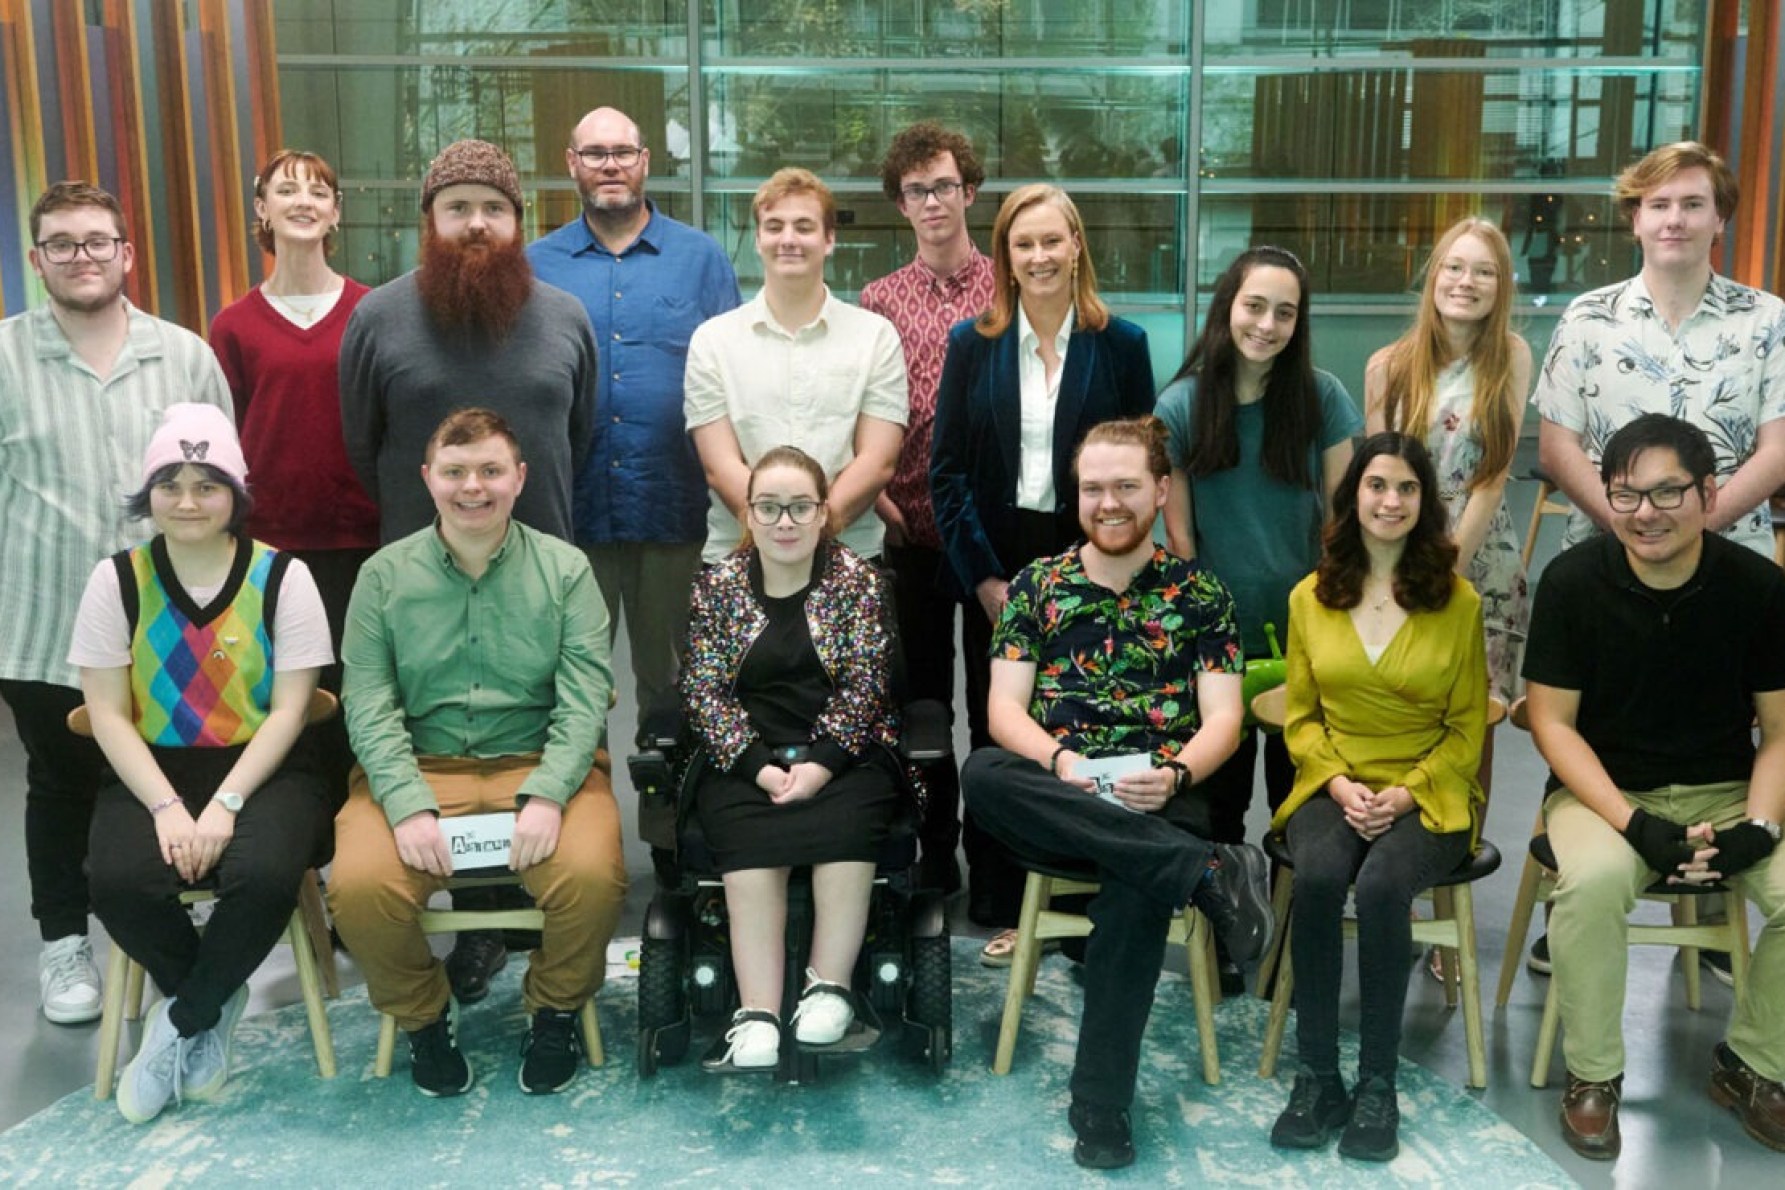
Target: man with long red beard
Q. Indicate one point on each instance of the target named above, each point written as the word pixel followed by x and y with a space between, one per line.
pixel 470 326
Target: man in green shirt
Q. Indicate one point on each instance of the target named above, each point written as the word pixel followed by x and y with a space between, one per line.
pixel 477 682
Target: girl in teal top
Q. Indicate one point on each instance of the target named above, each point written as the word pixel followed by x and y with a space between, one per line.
pixel 1258 440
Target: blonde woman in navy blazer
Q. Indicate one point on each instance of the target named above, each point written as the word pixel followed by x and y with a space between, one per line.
pixel 1004 492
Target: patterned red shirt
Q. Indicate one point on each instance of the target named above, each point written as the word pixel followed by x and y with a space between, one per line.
pixel 924 307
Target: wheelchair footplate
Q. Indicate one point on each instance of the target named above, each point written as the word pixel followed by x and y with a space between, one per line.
pixel 863 1032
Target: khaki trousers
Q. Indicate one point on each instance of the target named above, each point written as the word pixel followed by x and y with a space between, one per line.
pixel 375 897
pixel 1596 888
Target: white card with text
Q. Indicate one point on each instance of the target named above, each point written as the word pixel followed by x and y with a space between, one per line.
pixel 1106 770
pixel 477 841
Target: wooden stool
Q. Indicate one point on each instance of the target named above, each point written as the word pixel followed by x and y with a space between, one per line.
pixel 1037 923
pixel 453 921
pixel 1547 505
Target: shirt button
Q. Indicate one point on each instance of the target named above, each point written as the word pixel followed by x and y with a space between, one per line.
pixel 618 294
pixel 616 419
pixel 616 377
pixel 474 640
pixel 616 336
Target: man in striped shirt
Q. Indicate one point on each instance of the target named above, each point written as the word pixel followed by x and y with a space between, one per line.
pixel 83 382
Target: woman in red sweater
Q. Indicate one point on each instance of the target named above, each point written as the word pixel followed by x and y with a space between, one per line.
pixel 279 347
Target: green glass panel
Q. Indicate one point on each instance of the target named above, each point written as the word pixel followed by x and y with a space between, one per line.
pixel 1076 29
pixel 519 28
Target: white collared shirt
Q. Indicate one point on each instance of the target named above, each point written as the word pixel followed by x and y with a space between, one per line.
pixel 804 387
pixel 1040 397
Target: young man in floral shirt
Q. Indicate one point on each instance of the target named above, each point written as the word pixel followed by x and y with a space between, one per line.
pixel 1115 649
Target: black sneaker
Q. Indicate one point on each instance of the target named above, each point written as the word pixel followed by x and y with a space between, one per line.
pixel 1318 1107
pixel 1105 1140
pixel 1234 894
pixel 1717 963
pixel 1538 959
pixel 435 1061
pixel 476 957
pixel 552 1052
pixel 1375 1120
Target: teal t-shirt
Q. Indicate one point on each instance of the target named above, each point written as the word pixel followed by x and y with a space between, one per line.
pixel 1258 534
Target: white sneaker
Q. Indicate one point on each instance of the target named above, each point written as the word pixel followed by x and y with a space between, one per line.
pixel 68 982
pixel 204 1062
pixel 824 1012
pixel 752 1043
pixel 153 1076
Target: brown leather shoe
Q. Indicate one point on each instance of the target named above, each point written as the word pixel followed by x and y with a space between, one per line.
pixel 1759 1101
pixel 1590 1117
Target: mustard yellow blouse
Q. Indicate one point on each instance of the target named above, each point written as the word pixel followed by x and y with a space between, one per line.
pixel 1416 717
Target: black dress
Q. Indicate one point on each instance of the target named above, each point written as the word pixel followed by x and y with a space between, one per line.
pixel 783 688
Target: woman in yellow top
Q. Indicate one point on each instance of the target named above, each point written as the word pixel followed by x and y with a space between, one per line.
pixel 1387 695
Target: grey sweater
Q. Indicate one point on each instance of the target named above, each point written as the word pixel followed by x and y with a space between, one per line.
pixel 401 375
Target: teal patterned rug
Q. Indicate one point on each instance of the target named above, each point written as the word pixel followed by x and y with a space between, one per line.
pixel 878 1118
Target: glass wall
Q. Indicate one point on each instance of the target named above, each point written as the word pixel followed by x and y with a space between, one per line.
pixel 1353 131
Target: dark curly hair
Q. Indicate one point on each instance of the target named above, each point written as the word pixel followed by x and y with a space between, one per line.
pixel 1423 575
pixel 921 144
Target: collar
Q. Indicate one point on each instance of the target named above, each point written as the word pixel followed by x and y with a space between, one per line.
pixel 1714 302
pixel 762 317
pixel 649 236
pixel 50 343
pixel 1028 340
pixel 443 552
pixel 960 279
pixel 1617 564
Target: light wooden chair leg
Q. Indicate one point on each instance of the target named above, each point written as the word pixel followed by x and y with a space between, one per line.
pixel 1444 909
pixel 1204 986
pixel 322 1039
pixel 1685 913
pixel 591 1022
pixel 1462 909
pixel 322 946
pixel 133 993
pixel 111 1022
pixel 1546 1037
pixel 1518 929
pixel 1280 893
pixel 1279 1018
pixel 387 1045
pixel 1022 970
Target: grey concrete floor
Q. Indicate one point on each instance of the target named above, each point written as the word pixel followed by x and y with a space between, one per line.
pixel 1673 1135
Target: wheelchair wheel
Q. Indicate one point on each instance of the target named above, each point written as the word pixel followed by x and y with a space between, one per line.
pixel 931 1009
pixel 662 1006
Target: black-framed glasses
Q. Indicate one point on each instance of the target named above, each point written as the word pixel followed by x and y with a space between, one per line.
pixel 626 156
pixel 1664 498
pixel 917 195
pixel 99 249
pixel 768 513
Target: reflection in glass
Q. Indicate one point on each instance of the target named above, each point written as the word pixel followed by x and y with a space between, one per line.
pixel 1078 29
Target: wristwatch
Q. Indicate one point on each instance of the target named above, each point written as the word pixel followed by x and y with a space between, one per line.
pixel 1184 780
pixel 1771 828
pixel 229 801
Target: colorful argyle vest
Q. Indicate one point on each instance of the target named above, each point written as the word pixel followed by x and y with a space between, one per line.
pixel 200 677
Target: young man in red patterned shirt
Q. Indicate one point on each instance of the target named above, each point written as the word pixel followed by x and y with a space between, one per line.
pixel 933 175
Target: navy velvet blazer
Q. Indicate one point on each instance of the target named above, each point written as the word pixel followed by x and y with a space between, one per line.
pixel 974 465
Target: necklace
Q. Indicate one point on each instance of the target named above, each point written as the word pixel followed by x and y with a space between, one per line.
pixel 304 312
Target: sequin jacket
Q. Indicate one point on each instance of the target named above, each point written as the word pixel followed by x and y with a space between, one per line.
pixel 849 617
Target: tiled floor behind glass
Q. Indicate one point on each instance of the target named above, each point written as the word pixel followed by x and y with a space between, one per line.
pixel 1673 1134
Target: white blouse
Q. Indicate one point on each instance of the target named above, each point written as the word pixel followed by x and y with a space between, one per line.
pixel 1040 397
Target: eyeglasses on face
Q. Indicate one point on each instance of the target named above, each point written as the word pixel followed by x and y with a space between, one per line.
pixel 625 156
pixel 768 513
pixel 99 249
pixel 1664 498
pixel 916 195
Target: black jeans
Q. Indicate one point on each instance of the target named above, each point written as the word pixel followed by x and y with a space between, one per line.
pixel 1229 788
pixel 1148 869
pixel 63 773
pixel 335 572
pixel 926 636
pixel 285 827
pixel 1329 858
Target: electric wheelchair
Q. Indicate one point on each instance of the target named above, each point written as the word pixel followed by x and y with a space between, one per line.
pixel 902 981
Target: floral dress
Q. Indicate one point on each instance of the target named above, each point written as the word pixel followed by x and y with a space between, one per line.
pixel 1496 571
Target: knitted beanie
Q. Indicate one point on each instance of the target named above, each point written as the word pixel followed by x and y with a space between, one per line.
pixel 193 433
pixel 474 161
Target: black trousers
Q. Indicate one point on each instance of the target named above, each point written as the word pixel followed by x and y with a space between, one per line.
pixel 994 878
pixel 926 634
pixel 335 572
pixel 1148 868
pixel 63 773
pixel 285 827
pixel 1329 858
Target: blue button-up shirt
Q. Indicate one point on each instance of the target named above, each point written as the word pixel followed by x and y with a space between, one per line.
pixel 642 480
